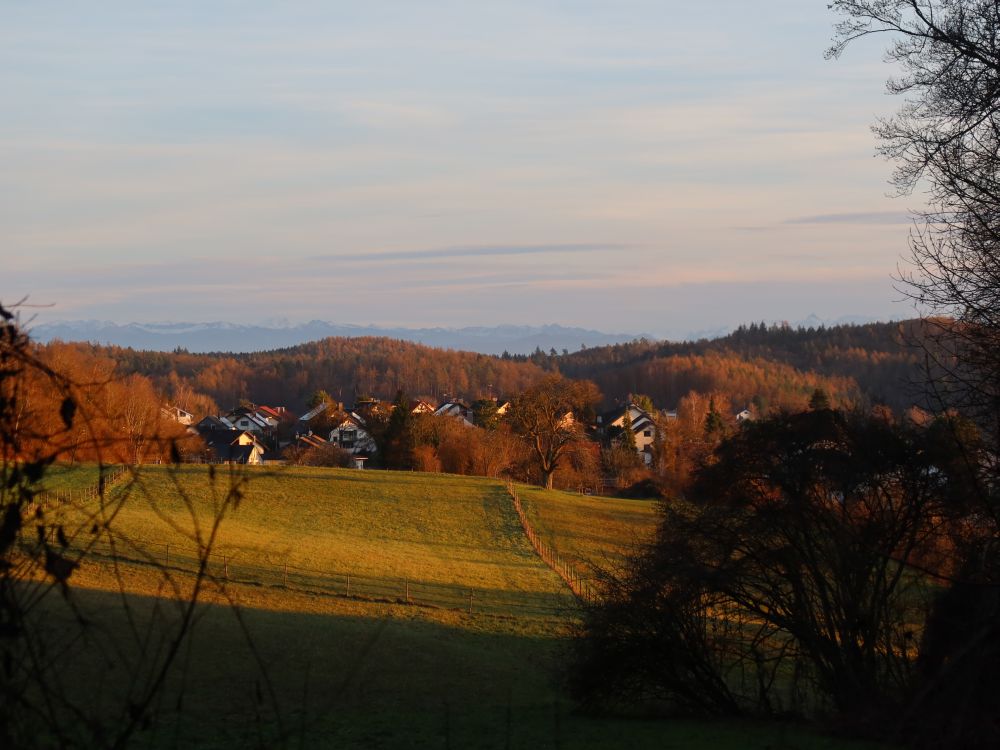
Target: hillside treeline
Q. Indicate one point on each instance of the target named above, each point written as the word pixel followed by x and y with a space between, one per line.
pixel 757 366
pixel 881 358
pixel 345 367
pixel 736 383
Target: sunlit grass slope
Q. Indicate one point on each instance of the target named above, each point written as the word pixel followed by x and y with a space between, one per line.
pixel 329 671
pixel 589 530
pixel 423 527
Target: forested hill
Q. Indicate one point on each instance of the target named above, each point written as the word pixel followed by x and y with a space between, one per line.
pixel 345 367
pixel 882 359
pixel 766 366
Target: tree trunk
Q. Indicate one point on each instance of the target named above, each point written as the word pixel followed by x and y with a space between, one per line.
pixel 548 479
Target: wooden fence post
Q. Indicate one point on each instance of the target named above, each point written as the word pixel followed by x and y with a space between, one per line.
pixel 348 584
pixel 284 573
pixel 470 602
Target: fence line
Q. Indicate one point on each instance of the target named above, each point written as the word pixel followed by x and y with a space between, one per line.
pixel 578 584
pixel 105 481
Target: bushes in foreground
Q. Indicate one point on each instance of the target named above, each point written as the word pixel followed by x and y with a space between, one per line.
pixel 797 576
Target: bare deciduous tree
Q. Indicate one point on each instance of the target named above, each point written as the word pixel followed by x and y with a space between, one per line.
pixel 945 138
pixel 551 416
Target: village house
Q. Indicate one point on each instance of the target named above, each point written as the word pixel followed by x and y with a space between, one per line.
pixel 456 410
pixel 251 420
pixel 303 425
pixel 272 413
pixel 367 409
pixel 213 424
pixel 421 407
pixel 177 414
pixel 350 433
pixel 234 447
pixel 642 424
pixel 309 440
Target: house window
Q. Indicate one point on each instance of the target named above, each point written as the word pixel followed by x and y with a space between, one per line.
pixel 648 433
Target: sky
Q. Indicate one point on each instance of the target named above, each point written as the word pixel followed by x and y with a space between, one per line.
pixel 647 166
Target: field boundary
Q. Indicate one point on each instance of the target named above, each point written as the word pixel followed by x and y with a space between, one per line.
pixel 578 584
pixel 106 480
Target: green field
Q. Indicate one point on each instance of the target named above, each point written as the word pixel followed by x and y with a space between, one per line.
pixel 313 668
pixel 69 477
pixel 589 530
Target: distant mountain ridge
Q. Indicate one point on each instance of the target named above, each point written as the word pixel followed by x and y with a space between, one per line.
pixel 237 338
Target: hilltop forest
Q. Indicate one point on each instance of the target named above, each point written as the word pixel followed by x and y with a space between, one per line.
pixel 761 366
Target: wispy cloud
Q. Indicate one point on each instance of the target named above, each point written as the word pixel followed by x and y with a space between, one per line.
pixel 473 251
pixel 456 161
pixel 871 217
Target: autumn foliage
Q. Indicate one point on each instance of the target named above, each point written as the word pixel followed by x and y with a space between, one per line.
pixel 118 416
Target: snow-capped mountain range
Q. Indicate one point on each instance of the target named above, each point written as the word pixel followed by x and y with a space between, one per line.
pixel 233 337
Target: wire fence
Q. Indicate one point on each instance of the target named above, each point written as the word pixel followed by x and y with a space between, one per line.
pixel 579 584
pixel 108 478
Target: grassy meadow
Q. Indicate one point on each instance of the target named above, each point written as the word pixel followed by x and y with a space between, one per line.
pixel 589 530
pixel 270 666
pixel 69 477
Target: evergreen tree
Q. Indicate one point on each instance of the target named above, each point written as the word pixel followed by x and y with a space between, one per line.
pixel 399 442
pixel 484 414
pixel 628 435
pixel 714 424
pixel 819 400
pixel 319 397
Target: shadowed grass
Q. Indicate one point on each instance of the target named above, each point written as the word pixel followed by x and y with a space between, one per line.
pixel 345 674
pixel 69 477
pixel 325 671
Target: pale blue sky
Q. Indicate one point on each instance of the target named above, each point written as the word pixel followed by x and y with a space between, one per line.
pixel 635 165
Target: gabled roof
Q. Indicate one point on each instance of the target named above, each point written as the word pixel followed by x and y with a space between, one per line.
pixel 638 415
pixel 350 419
pixel 252 417
pixel 229 437
pixel 225 444
pixel 272 412
pixel 214 423
pixel 452 407
pixel 177 413
pixel 312 441
pixel 315 411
